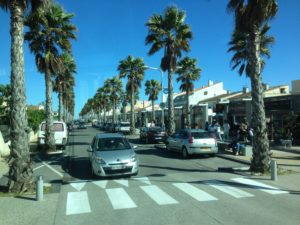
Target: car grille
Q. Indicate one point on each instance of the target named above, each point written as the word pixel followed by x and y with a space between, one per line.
pixel 120 171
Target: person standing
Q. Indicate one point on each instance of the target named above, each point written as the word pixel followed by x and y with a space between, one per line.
pixel 226 128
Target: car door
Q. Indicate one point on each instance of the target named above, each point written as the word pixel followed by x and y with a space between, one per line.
pixel 91 149
pixel 180 140
pixel 172 141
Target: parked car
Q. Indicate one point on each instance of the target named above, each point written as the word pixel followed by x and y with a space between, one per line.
pixel 111 154
pixel 82 126
pixel 192 141
pixel 153 134
pixel 60 134
pixel 123 127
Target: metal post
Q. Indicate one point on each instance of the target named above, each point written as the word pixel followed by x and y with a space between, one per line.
pixel 162 100
pixel 39 188
pixel 273 170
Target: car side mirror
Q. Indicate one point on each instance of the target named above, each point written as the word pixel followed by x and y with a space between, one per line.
pixel 89 149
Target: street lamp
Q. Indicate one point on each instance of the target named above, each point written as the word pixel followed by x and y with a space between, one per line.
pixel 162 98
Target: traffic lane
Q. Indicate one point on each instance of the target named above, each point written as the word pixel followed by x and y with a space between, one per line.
pixel 157 162
pixel 79 165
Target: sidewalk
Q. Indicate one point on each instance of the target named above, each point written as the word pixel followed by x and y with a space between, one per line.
pixel 287 158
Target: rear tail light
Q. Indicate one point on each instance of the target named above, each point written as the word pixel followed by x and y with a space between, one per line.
pixel 191 139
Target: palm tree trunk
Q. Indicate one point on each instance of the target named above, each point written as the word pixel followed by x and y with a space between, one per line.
pixel 170 102
pixel 60 96
pixel 20 171
pixel 132 122
pixel 261 156
pixel 188 112
pixel 49 135
pixel 153 111
pixel 114 111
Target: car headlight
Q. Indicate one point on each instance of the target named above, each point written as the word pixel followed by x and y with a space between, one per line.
pixel 133 158
pixel 99 160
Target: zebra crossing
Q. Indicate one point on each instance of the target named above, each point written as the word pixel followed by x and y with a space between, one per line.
pixel 119 192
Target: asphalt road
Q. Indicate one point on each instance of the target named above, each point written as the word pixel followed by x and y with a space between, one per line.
pixel 167 190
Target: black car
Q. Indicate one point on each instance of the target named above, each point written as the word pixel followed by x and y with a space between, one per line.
pixel 153 135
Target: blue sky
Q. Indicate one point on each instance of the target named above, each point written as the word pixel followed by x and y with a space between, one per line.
pixel 108 31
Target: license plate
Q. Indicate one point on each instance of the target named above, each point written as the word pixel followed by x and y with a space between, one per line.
pixel 205 148
pixel 117 167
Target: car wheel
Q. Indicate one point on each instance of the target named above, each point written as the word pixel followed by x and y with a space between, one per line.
pixel 185 153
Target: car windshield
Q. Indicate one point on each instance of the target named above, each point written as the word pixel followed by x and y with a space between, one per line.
pixel 199 135
pixel 156 129
pixel 113 144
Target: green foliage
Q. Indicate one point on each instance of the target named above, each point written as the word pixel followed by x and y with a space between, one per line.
pixel 5 101
pixel 35 118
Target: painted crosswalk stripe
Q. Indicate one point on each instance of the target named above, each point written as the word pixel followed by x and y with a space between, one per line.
pixel 233 191
pixel 100 183
pixel 122 181
pixel 260 186
pixel 77 203
pixel 143 179
pixel 78 186
pixel 158 195
pixel 119 198
pixel 194 192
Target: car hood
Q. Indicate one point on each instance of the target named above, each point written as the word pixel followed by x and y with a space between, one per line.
pixel 117 156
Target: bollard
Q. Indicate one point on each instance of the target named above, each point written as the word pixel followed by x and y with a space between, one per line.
pixel 39 188
pixel 273 170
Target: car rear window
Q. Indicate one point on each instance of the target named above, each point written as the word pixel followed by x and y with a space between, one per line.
pixel 112 144
pixel 199 135
pixel 56 127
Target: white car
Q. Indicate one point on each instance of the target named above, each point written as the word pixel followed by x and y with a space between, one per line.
pixel 60 134
pixel 192 141
pixel 123 127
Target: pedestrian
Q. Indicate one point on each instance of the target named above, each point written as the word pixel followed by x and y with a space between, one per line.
pixel 206 125
pixel 217 129
pixel 226 130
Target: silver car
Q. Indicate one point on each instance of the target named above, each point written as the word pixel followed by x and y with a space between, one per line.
pixel 192 141
pixel 112 155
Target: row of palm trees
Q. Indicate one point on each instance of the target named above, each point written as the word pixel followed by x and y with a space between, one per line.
pixel 249 44
pixel 112 94
pixel 49 33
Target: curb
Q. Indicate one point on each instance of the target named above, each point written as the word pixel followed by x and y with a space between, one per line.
pixel 233 159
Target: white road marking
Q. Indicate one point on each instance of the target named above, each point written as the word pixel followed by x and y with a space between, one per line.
pixel 260 186
pixel 119 198
pixel 36 168
pixel 101 183
pixel 78 186
pixel 122 181
pixel 50 167
pixel 194 192
pixel 233 191
pixel 77 203
pixel 158 195
pixel 143 179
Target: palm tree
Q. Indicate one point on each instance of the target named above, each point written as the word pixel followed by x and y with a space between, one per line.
pixel 103 101
pixel 20 173
pixel 49 33
pixel 64 81
pixel 170 33
pixel 188 74
pixel 134 70
pixel 114 87
pixel 250 44
pixel 153 88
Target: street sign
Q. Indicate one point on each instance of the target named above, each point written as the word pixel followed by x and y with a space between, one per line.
pixel 166 91
pixel 162 105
